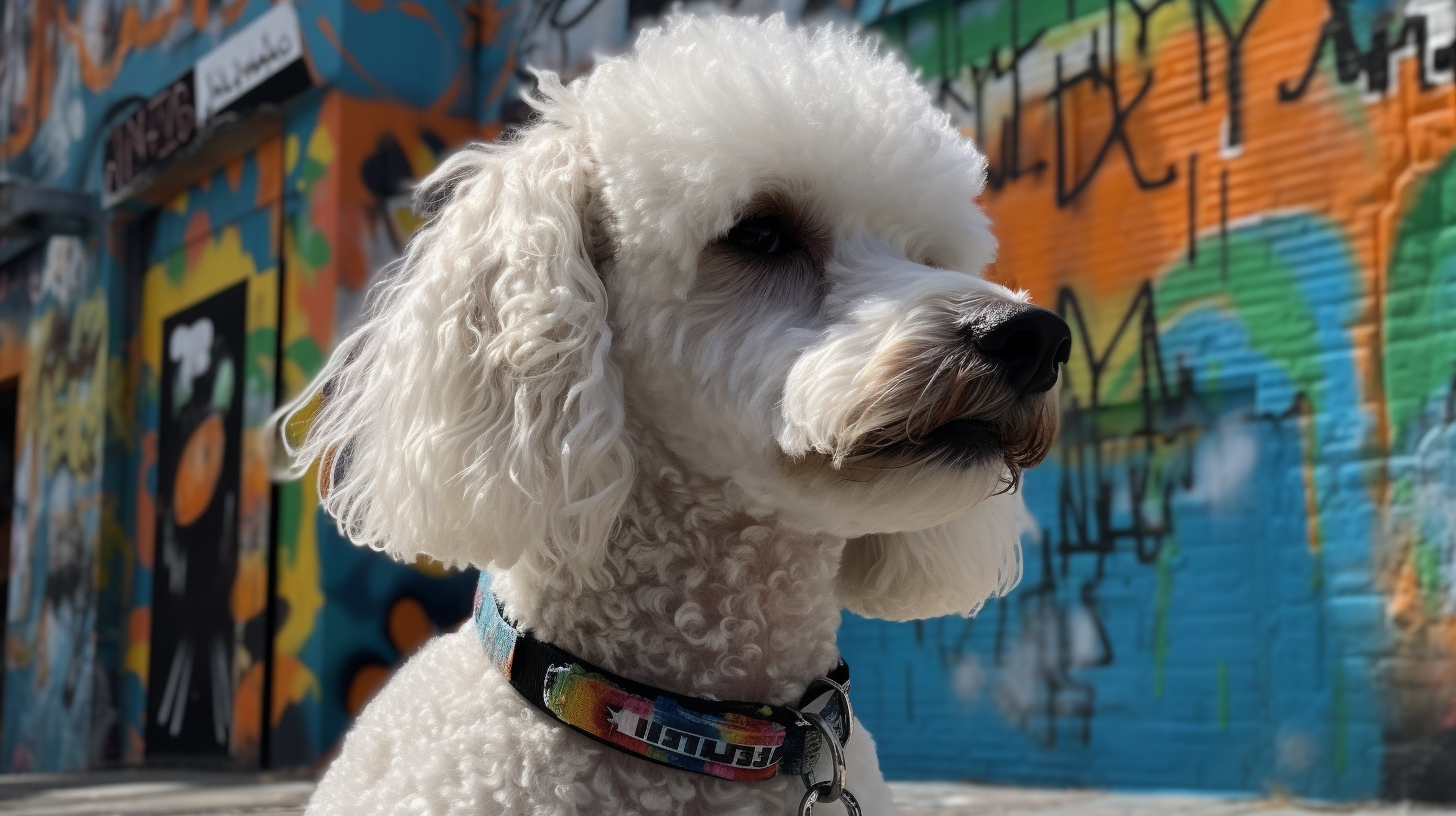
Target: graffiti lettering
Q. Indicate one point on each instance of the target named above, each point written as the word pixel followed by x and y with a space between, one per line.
pixel 1093 74
pixel 151 136
pixel 1086 492
pixel 1233 73
pixel 1009 166
pixel 1100 75
pixel 968 88
pixel 1417 31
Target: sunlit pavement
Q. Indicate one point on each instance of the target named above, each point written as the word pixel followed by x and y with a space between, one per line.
pixel 942 799
pixel 198 793
pixel 175 793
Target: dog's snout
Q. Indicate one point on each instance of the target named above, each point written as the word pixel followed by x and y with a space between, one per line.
pixel 1027 343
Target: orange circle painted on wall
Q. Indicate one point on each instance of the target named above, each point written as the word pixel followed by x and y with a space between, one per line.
pixel 365 683
pixel 198 470
pixel 409 626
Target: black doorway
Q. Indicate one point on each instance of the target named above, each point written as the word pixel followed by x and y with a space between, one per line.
pixel 189 698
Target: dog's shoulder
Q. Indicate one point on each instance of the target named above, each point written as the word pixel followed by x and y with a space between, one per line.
pixel 445 733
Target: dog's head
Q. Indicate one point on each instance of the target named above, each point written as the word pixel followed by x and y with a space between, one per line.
pixel 755 244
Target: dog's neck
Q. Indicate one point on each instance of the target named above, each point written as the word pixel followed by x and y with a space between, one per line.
pixel 703 599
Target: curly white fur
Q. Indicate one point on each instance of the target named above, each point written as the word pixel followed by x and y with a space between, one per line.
pixel 489 346
pixel 682 458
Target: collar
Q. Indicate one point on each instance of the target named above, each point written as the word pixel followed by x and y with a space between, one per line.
pixel 728 739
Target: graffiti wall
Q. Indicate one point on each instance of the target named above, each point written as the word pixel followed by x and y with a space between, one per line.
pixel 1242 570
pixel 1240 573
pixel 55 523
pixel 140 617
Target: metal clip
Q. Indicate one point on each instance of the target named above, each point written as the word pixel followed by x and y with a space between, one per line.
pixel 841 696
pixel 832 789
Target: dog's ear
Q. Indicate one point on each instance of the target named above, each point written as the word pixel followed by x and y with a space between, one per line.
pixel 476 413
pixel 953 568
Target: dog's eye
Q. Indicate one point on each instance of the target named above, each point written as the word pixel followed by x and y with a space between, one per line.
pixel 760 236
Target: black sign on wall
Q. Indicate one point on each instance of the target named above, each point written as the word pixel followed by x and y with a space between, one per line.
pixel 150 137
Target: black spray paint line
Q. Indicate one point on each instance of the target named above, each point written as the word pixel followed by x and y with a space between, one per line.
pixel 1233 76
pixel 1192 208
pixel 1223 223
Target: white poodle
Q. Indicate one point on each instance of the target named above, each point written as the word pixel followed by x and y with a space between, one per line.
pixel 697 359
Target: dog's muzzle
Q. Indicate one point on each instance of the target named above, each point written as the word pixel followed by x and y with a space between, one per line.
pixel 981 396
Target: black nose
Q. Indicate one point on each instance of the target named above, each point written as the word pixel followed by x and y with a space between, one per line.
pixel 1027 343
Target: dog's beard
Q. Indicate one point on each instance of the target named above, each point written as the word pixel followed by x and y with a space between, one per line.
pixel 949 408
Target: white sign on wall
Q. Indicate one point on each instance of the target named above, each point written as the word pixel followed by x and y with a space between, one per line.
pixel 247 59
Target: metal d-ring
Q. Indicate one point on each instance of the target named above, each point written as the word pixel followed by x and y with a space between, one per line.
pixel 841 693
pixel 811 798
pixel 836 760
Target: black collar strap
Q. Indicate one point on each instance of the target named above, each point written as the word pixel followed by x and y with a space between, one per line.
pixel 727 739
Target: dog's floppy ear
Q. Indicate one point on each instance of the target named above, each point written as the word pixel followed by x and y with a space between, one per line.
pixel 953 568
pixel 476 414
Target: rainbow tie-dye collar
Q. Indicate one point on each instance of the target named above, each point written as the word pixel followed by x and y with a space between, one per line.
pixel 734 740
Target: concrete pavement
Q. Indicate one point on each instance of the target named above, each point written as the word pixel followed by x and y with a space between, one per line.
pixel 951 799
pixel 152 793
pixel 198 793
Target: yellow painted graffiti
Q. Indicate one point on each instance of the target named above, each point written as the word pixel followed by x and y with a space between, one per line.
pixel 72 418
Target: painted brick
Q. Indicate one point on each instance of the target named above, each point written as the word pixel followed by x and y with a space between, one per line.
pixel 1290 634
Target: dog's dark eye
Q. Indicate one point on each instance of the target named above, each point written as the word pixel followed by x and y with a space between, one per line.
pixel 761 236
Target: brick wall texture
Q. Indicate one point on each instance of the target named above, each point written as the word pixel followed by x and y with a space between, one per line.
pixel 1240 575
